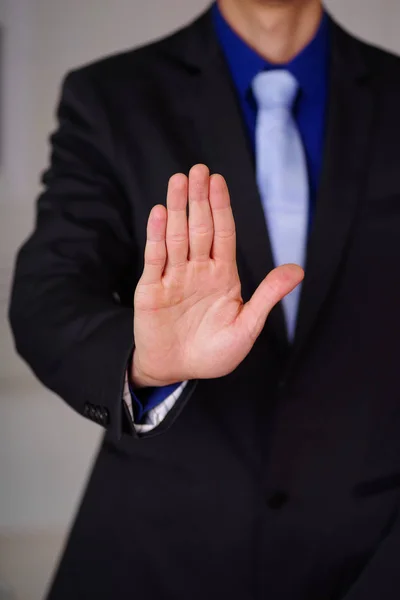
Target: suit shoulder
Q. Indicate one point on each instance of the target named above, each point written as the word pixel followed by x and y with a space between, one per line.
pixel 382 63
pixel 139 61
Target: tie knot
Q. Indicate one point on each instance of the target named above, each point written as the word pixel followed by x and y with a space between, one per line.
pixel 275 89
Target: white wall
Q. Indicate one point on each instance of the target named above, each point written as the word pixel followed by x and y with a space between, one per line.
pixel 45 449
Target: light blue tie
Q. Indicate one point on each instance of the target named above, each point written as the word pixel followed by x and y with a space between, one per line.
pixel 282 176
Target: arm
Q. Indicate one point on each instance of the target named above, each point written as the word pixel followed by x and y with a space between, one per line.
pixel 67 321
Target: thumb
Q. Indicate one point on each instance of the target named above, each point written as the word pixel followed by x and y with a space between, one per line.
pixel 277 284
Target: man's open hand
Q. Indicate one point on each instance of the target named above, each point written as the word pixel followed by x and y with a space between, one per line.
pixel 190 321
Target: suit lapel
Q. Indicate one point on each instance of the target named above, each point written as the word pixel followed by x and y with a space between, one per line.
pixel 344 165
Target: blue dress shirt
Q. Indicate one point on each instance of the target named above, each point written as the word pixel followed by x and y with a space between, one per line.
pixel 311 69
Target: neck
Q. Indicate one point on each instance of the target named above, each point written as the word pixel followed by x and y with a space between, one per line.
pixel 276 29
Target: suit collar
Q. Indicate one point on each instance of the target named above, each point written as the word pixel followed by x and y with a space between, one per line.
pixel 196 47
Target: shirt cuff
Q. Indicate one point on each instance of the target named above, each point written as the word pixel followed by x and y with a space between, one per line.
pixel 155 415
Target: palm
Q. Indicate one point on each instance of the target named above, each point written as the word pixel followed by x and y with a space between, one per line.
pixel 190 320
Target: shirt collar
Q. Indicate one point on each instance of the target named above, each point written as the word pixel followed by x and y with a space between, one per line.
pixel 309 67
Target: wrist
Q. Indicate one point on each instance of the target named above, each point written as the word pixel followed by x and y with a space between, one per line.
pixel 140 379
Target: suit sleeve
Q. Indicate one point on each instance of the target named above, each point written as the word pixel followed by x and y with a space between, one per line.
pixel 380 579
pixel 67 320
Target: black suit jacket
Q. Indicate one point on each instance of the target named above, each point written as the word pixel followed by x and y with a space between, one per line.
pixel 281 480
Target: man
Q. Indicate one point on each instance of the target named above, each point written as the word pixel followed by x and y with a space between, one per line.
pixel 241 459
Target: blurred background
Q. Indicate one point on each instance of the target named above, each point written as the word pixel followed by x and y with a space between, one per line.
pixel 45 449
